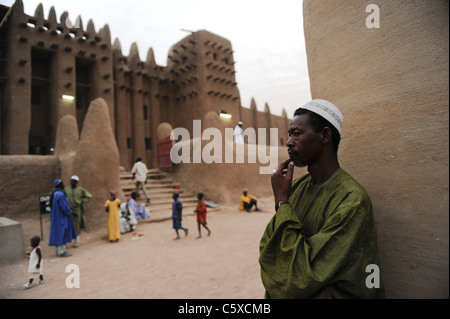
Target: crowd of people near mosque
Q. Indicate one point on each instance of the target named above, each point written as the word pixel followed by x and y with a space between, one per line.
pixel 317 245
pixel 67 217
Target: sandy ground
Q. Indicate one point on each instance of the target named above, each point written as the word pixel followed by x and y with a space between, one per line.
pixel 150 263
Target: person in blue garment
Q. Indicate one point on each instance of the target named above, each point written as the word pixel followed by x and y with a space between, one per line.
pixel 62 229
pixel 139 211
pixel 177 215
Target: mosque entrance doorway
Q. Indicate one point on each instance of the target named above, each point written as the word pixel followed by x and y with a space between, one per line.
pixel 164 147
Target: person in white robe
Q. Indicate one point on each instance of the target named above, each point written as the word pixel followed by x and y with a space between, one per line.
pixel 127 218
pixel 238 133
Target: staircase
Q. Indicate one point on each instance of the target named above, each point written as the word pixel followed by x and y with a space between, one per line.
pixel 160 189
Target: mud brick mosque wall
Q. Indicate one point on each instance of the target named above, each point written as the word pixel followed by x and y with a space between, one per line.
pixel 44 59
pixel 44 53
pixel 391 84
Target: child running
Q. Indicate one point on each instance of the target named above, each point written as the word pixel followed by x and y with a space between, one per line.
pixel 177 213
pixel 201 215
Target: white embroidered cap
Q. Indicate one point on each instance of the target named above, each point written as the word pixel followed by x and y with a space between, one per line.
pixel 74 177
pixel 327 110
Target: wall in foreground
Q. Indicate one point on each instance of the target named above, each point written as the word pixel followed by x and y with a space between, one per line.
pixel 22 179
pixel 93 156
pixel 391 84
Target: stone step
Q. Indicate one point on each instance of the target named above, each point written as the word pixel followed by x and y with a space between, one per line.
pixel 160 189
pixel 150 175
pixel 150 186
pixel 157 194
pixel 159 183
pixel 168 191
pixel 149 181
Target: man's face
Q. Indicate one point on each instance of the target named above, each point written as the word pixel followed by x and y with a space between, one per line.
pixel 304 145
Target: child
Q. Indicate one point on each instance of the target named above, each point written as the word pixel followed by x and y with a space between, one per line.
pixel 177 213
pixel 201 215
pixel 127 219
pixel 112 208
pixel 35 263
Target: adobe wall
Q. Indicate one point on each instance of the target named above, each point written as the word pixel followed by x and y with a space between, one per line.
pixel 229 178
pixel 62 45
pixel 93 156
pixel 251 117
pixel 199 78
pixel 201 72
pixel 82 63
pixel 391 84
pixel 23 178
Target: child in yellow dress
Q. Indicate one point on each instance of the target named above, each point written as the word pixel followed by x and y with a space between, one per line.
pixel 112 208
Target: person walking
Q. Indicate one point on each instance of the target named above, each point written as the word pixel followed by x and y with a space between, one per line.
pixel 177 213
pixel 140 171
pixel 35 262
pixel 201 211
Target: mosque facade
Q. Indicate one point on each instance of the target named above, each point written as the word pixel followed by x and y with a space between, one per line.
pixel 49 69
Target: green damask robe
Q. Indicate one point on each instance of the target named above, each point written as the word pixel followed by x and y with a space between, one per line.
pixel 77 197
pixel 324 238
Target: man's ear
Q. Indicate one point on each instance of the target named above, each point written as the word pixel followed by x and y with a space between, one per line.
pixel 326 135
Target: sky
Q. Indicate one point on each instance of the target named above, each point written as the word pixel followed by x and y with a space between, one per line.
pixel 266 36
